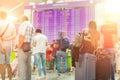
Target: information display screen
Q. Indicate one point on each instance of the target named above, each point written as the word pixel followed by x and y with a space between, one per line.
pixel 70 20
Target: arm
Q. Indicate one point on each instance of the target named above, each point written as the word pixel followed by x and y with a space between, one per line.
pixel 34 44
pixel 21 40
pixel 21 33
pixel 46 41
pixel 2 49
pixel 1 44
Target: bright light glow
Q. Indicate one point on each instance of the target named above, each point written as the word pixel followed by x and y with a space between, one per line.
pixel 113 6
pixel 31 3
pixel 91 1
pixel 11 18
pixel 16 7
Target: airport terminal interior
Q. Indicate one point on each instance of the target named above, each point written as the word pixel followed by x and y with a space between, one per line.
pixel 69 18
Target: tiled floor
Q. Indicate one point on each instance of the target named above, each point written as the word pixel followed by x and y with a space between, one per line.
pixel 53 76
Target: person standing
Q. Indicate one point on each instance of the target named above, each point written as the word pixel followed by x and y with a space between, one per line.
pixel 94 34
pixel 52 67
pixel 61 55
pixel 40 42
pixel 7 34
pixel 25 36
pixel 108 41
pixel 76 44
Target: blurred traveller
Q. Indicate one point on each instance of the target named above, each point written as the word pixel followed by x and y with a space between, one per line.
pixel 7 34
pixel 109 38
pixel 94 34
pixel 52 65
pixel 26 31
pixel 76 44
pixel 61 56
pixel 40 43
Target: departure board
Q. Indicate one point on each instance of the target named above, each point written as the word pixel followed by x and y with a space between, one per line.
pixel 70 20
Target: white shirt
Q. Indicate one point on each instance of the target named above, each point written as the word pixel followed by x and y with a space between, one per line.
pixel 10 28
pixel 41 41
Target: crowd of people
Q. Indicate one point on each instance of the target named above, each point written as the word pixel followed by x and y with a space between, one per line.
pixel 61 53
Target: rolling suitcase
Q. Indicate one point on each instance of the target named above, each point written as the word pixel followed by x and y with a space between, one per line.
pixel 63 65
pixel 117 57
pixel 61 59
pixel 85 67
pixel 103 64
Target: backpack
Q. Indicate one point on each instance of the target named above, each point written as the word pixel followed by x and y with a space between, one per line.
pixel 86 46
pixel 63 44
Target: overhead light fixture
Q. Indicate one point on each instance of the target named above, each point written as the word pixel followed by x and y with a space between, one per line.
pixel 91 1
pixel 31 3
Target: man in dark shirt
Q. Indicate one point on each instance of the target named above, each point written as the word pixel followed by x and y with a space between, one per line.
pixel 61 57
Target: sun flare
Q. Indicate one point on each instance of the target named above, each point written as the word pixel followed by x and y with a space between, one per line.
pixel 113 6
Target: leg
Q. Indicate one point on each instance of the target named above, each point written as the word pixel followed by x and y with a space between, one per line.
pixel 112 51
pixel 2 66
pixel 58 60
pixel 2 71
pixel 43 58
pixel 52 64
pixel 9 69
pixel 34 64
pixel 29 67
pixel 7 61
pixel 38 62
pixel 22 68
pixel 113 72
pixel 64 54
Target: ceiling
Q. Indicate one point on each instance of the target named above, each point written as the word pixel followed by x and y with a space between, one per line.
pixel 15 7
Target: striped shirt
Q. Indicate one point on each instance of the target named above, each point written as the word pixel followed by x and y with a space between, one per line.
pixel 26 29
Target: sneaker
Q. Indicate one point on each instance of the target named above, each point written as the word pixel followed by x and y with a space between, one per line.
pixel 59 77
pixel 45 77
pixel 59 74
pixel 39 78
pixel 69 73
pixel 34 68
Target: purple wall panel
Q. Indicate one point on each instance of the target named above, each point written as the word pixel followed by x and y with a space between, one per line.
pixel 35 19
pixel 83 18
pixel 49 24
pixel 70 20
pixel 41 21
pixel 72 24
pixel 77 20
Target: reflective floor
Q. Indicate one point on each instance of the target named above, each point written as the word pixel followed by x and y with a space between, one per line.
pixel 53 76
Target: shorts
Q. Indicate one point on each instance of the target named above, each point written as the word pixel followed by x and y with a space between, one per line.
pixel 5 58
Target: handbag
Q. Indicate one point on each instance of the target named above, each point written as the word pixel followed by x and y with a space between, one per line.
pixel 26 46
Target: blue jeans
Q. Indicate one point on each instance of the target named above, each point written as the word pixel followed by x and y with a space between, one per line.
pixel 41 59
pixel 52 64
pixel 60 54
pixel 35 62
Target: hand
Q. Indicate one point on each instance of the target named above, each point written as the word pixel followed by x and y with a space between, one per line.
pixel 3 50
pixel 19 46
